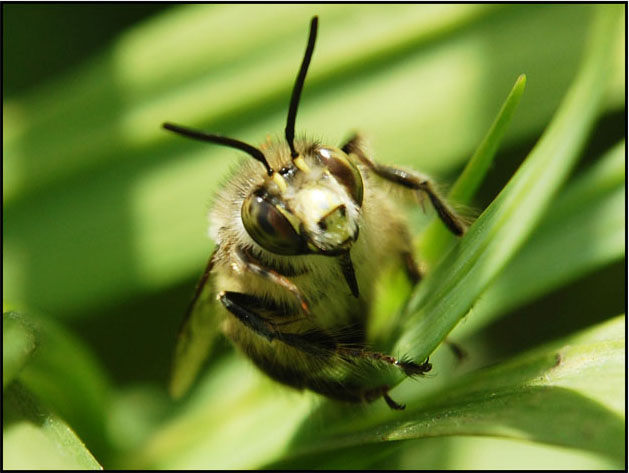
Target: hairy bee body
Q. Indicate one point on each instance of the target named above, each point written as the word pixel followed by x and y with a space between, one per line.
pixel 333 309
pixel 298 250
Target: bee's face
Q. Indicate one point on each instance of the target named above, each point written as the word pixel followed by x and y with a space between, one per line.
pixel 318 210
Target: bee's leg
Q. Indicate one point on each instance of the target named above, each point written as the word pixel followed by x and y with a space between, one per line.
pixel 411 266
pixel 410 368
pixel 456 350
pixel 410 180
pixel 256 267
pixel 248 309
pixel 237 303
pixel 391 403
pixel 382 392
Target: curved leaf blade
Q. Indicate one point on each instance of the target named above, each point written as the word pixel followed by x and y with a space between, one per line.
pixel 35 438
pixel 19 342
pixel 436 239
pixel 446 295
pixel 588 219
pixel 569 393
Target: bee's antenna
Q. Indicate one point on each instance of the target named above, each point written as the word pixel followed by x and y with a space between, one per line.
pixel 299 85
pixel 252 151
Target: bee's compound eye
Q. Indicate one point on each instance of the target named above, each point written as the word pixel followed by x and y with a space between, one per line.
pixel 269 225
pixel 344 171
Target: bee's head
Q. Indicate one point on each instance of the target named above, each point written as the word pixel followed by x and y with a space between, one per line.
pixel 309 206
pixel 314 209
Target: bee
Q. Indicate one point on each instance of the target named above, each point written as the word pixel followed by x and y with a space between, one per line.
pixel 301 231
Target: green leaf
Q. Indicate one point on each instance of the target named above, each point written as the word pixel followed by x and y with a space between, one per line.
pixel 233 409
pixel 19 342
pixel 569 393
pixel 65 375
pixel 587 218
pixel 436 239
pixel 437 236
pixel 446 295
pixel 36 439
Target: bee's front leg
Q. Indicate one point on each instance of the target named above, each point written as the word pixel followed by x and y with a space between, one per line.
pixel 254 266
pixel 249 310
pixel 410 180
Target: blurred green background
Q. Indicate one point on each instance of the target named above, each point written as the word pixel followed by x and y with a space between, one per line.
pixel 104 214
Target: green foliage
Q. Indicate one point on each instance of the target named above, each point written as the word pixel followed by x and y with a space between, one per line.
pixel 104 236
pixel 18 345
pixel 449 292
pixel 35 438
pixel 536 396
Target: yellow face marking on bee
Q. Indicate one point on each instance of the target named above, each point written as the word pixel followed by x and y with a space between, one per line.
pixel 301 164
pixel 280 182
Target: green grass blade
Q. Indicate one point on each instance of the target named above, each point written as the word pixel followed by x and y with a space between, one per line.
pixel 65 375
pixel 569 393
pixel 436 238
pixel 447 294
pixel 588 219
pixel 19 341
pixel 36 439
